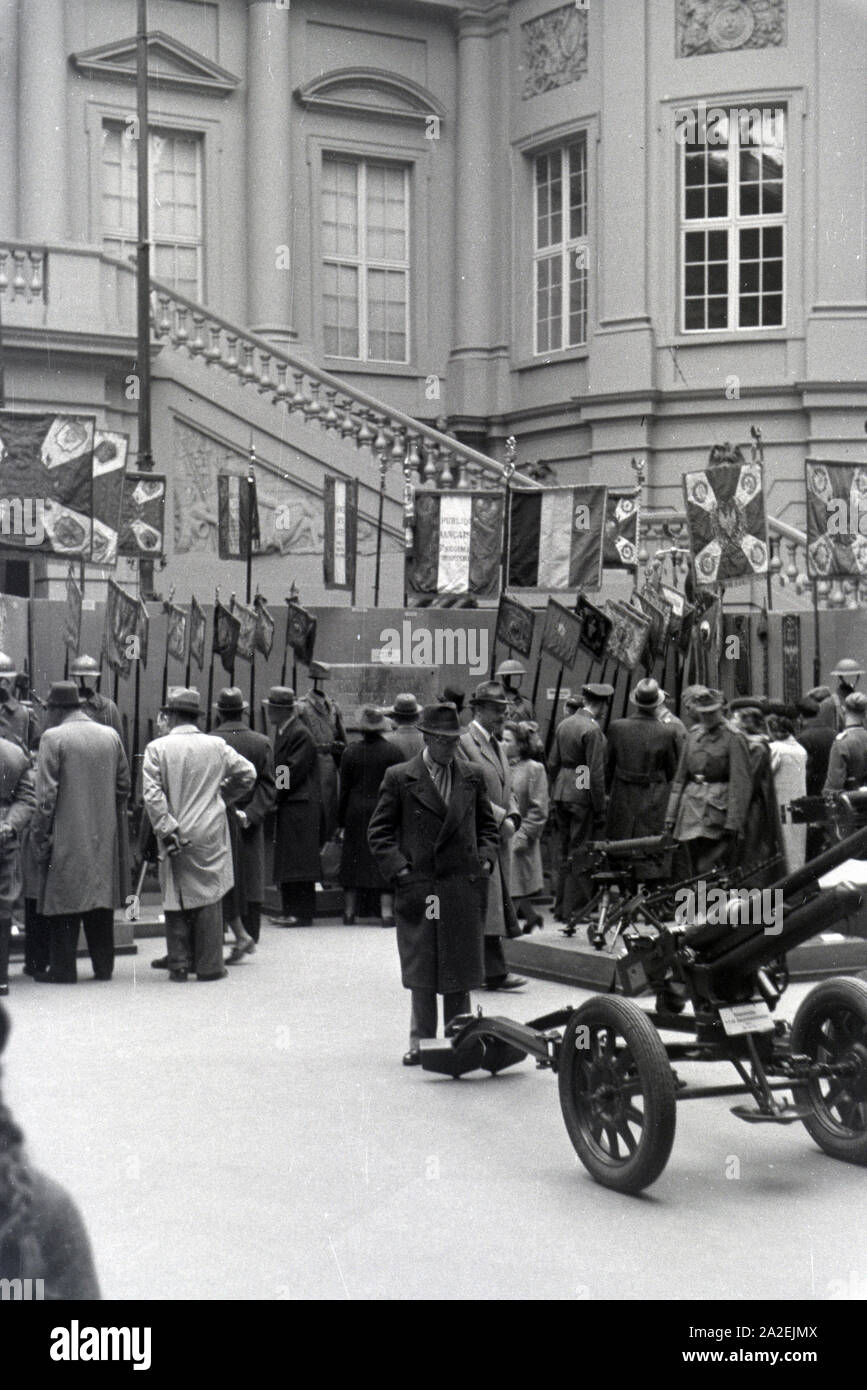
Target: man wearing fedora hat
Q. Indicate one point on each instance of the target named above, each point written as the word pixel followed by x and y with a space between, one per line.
pixel 324 719
pixel 78 834
pixel 435 839
pixel 188 779
pixel 712 788
pixel 480 745
pixel 362 769
pixel 642 758
pixel 299 828
pixel 242 905
pixel 406 735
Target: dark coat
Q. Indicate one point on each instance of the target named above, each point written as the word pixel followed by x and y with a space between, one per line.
pixel 439 906
pixel 493 764
pixel 579 742
pixel 642 759
pixel 248 843
pixel 362 769
pixel 763 834
pixel 298 828
pixel 325 721
pixel 17 803
pixel 847 762
pixel 817 739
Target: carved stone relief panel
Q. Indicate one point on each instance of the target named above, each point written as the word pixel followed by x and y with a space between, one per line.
pixel 719 26
pixel 554 49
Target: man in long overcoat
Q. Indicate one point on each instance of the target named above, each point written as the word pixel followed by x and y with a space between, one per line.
pixel 577 768
pixel 298 828
pixel 188 778
pixel 17 802
pixel 480 745
pixel 642 759
pixel 247 814
pixel 324 719
pixel 82 786
pixel 434 837
pixel 99 708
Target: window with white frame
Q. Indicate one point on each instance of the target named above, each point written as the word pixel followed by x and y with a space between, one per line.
pixel 561 253
pixel 365 259
pixel 733 219
pixel 175 179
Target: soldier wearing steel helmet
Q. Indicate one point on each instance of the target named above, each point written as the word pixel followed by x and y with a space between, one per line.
pixel 17 720
pixel 831 710
pixel 518 707
pixel 85 670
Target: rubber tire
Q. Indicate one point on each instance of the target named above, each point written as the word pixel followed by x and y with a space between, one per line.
pixel 851 993
pixel 656 1078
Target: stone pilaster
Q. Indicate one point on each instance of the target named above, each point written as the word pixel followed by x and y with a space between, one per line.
pixel 270 254
pixel 9 117
pixel 42 121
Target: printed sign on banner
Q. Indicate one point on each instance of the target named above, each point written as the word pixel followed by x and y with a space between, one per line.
pixel 341 529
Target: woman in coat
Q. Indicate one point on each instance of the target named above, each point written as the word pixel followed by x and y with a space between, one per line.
pixel 530 785
pixel 361 772
pixel 789 768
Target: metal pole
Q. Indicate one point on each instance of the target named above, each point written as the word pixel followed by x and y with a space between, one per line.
pixel 383 465
pixel 817 652
pixel 143 269
pixel 552 723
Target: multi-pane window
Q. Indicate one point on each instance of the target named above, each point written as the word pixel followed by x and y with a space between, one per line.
pixel 733 219
pixel 175 178
pixel 560 248
pixel 365 259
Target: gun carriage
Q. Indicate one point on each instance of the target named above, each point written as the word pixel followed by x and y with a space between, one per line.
pixel 717 979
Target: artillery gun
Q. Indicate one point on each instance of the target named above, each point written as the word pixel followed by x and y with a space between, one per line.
pixel 717 981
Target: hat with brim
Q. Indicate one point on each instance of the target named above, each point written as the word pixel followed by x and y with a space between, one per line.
pixel 319 671
pixel 489 693
pixel 84 666
pixel 847 667
pixel 280 697
pixel 373 721
pixel 182 700
pixel 647 695
pixel 818 693
pixel 405 707
pixel 742 702
pixel 63 695
pixel 442 720
pixel 231 701
pixel 707 700
pixel 599 691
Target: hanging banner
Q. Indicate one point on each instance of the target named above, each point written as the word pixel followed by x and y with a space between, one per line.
pixel 144 627
pixel 176 638
pixel 628 636
pixel 658 612
pixel 142 515
pixel 300 632
pixel 225 641
pixel 836 519
pixel 197 633
pixel 46 467
pixel 72 621
pixel 237 516
pixel 109 469
pixel 561 635
pixel 457 544
pixel 791 640
pixel 620 545
pixel 738 652
pixel 246 643
pixel 121 623
pixel 595 628
pixel 341 531
pixel 515 625
pixel 264 627
pixel 725 514
pixel 556 538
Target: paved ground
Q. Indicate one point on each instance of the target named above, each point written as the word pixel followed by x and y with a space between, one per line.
pixel 258 1138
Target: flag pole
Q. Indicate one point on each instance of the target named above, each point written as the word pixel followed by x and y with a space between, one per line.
pixel 251 495
pixel 167 609
pixel 552 722
pixel 211 667
pixel 232 668
pixel 383 465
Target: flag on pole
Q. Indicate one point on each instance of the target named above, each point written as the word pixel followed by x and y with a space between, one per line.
pixel 121 623
pixel 300 632
pixel 457 544
pixel 836 519
pixel 226 629
pixel 109 469
pixel 341 531
pixel 620 547
pixel 515 625
pixel 144 624
pixel 556 538
pixel 728 529
pixel 176 640
pixel 264 627
pixel 198 625
pixel 628 636
pixel 237 516
pixel 561 635
pixel 245 646
pixel 72 623
pixel 50 458
pixel 595 628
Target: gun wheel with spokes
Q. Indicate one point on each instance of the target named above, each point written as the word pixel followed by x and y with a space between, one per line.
pixel 830 1027
pixel 617 1093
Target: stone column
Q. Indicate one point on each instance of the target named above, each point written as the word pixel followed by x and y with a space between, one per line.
pixel 269 171
pixel 9 117
pixel 42 121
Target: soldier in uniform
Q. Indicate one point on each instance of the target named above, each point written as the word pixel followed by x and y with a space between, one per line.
pixel 667 716
pixel 643 755
pixel 17 721
pixel 712 788
pixel 97 707
pixel 518 707
pixel 847 765
pixel 324 721
pixel 577 767
pixel 831 711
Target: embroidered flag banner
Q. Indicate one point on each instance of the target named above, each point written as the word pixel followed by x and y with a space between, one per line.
pixel 237 516
pixel 515 625
pixel 556 538
pixel 225 641
pixel 198 625
pixel 46 466
pixel 595 628
pixel 725 514
pixel 628 636
pixel 264 627
pixel 658 611
pixel 341 531
pixel 176 635
pixel 142 515
pixel 300 632
pixel 109 469
pixel 121 623
pixel 791 643
pixel 144 627
pixel 72 621
pixel 246 644
pixel 457 545
pixel 836 519
pixel 561 634
pixel 620 546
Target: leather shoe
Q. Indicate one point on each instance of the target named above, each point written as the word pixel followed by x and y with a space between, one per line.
pixel 180 977
pixel 221 975
pixel 4 990
pixel 412 1058
pixel 161 963
pixel 510 982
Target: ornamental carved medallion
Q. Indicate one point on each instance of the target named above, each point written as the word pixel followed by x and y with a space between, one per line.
pixel 719 26
pixel 554 49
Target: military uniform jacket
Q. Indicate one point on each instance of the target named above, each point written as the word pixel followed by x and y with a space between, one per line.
pixel 579 742
pixel 17 802
pixel 713 785
pixel 642 760
pixel 847 765
pixel 519 708
pixel 17 723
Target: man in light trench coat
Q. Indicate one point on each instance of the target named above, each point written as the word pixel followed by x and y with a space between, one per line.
pixel 184 773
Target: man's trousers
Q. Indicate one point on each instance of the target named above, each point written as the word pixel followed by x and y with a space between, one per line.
pixel 423 1014
pixel 194 939
pixel 63 942
pixel 37 940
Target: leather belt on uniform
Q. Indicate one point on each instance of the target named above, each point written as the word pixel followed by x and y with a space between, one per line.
pixel 640 779
pixel 708 781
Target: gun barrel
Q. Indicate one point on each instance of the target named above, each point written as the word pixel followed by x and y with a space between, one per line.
pixel 853 847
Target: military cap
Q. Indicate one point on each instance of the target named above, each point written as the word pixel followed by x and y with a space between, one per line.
pixel 510 668
pixel 756 702
pixel 598 692
pixel 856 703
pixel 182 700
pixel 847 667
pixel 707 700
pixel 489 693
pixel 319 671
